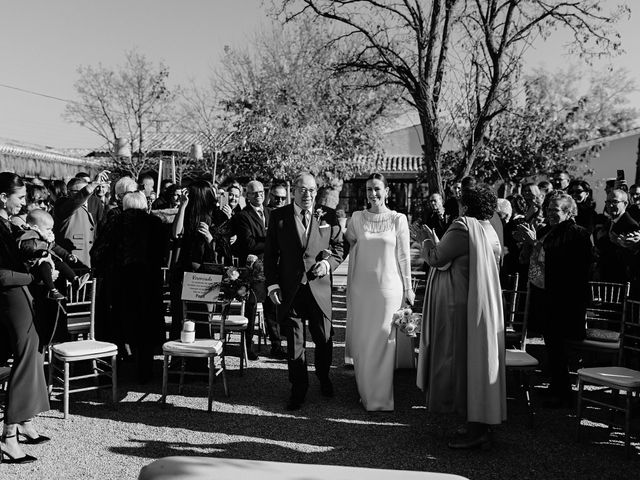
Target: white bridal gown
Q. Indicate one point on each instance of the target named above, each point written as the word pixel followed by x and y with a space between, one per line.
pixel 379 270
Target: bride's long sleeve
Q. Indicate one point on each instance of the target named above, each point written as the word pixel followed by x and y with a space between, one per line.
pixel 403 251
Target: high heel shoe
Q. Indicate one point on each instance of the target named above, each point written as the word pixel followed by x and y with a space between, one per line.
pixel 7 458
pixel 27 440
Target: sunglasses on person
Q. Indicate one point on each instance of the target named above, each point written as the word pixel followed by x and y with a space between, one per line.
pixel 278 198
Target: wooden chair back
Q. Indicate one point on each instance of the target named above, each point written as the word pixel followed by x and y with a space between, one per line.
pixel 630 336
pixel 607 302
pixel 515 304
pixel 80 309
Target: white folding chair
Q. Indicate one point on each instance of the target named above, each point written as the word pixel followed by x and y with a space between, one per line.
pixel 80 310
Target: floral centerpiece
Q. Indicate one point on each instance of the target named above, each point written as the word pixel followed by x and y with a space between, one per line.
pixel 238 283
pixel 407 321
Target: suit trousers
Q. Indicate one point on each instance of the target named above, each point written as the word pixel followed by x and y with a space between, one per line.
pixel 305 307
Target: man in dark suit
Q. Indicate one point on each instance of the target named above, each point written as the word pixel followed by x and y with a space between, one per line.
pixel 250 227
pixel 437 220
pixel 303 248
pixel 616 251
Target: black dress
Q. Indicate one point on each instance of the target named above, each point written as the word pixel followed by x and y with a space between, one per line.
pixel 27 393
pixel 129 256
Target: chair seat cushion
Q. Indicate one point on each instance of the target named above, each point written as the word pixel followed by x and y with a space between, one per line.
pixel 237 321
pixel 519 358
pixel 624 377
pixel 84 347
pixel 597 344
pixel 198 347
pixel 602 335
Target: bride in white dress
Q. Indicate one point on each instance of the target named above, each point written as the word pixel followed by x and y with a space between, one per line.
pixel 379 283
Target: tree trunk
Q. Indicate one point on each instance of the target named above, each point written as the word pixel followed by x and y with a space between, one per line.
pixel 431 151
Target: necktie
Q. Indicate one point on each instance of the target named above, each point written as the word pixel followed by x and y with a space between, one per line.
pixel 305 221
pixel 261 215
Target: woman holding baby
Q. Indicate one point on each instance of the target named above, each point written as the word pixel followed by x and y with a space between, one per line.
pixel 27 394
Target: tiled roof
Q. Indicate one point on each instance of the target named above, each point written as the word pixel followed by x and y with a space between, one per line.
pixel 396 163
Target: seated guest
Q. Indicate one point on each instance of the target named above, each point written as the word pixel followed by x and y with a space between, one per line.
pixel 250 227
pixel 560 256
pixel 437 220
pixel 581 193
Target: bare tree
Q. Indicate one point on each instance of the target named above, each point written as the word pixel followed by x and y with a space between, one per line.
pixel 413 44
pixel 126 102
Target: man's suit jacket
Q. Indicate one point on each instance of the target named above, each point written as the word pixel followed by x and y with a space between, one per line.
pixel 288 256
pixel 75 227
pixel 251 233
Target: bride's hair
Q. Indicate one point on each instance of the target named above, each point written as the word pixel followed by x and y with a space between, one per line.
pixel 378 176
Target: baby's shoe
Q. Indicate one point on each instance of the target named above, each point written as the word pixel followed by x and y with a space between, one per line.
pixel 54 294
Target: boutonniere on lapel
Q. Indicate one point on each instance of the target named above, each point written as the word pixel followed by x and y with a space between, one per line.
pixel 318 214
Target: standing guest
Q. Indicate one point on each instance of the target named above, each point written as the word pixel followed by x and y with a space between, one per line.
pixel 146 184
pixel 57 190
pixel 634 202
pixel 75 225
pixel 461 360
pixel 165 184
pixel 169 198
pixel 561 180
pixel 545 187
pixel 379 284
pixel 616 255
pixel 451 205
pixel 251 231
pixel 37 198
pixel 560 256
pixel 96 202
pixel 277 195
pixel 303 247
pixel 192 229
pixel 27 394
pixel 438 221
pixel 234 192
pixel 511 259
pixel 129 253
pixel 581 193
pixel 535 199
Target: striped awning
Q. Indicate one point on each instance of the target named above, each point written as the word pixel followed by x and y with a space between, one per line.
pixel 32 161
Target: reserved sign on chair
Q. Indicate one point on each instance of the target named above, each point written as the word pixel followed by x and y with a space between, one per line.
pixel 201 287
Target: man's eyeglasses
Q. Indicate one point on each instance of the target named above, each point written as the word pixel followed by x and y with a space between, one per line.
pixel 613 202
pixel 261 192
pixel 304 191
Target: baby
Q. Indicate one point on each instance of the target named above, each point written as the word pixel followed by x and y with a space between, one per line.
pixel 38 243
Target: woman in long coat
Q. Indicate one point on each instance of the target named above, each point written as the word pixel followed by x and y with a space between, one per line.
pixel 461 359
pixel 27 393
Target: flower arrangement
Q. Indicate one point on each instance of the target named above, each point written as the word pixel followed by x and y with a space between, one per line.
pixel 238 283
pixel 407 321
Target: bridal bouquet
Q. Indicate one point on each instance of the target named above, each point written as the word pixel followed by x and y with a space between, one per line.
pixel 237 283
pixel 407 321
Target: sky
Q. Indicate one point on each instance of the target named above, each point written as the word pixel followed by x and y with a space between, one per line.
pixel 42 42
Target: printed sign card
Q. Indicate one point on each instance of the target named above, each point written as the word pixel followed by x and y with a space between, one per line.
pixel 200 287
